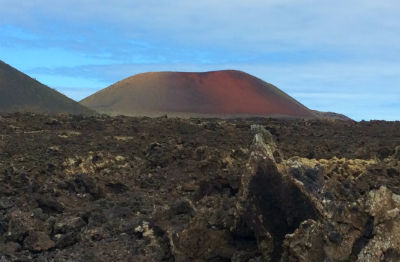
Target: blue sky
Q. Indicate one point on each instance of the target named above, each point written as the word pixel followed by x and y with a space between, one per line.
pixel 341 56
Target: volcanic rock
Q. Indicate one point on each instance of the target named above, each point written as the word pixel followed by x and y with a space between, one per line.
pixel 384 206
pixel 69 225
pixel 271 202
pixel 38 241
pixel 10 248
pixel 397 153
pixel 239 190
pixel 21 223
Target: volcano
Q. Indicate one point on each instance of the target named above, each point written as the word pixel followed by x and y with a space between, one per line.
pixel 226 93
pixel 21 93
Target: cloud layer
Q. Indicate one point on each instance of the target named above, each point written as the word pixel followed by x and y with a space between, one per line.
pixel 339 56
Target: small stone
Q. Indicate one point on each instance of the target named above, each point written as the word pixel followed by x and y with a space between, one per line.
pixel 52 122
pixel 393 213
pixel 49 204
pixel 20 223
pixel 397 153
pixel 120 158
pixel 5 203
pixel 53 149
pixel 95 234
pixel 38 213
pixel 4 259
pixel 180 207
pixel 65 240
pixel 139 229
pixel 38 241
pixel 10 248
pixel 335 237
pixel 69 224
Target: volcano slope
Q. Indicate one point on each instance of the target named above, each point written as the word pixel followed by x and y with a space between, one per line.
pixel 226 93
pixel 20 93
pixel 123 189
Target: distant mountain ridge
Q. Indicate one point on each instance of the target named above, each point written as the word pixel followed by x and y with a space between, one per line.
pixel 227 93
pixel 332 115
pixel 21 93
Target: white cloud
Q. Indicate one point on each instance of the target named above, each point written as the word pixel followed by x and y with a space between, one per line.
pixel 348 48
pixel 258 24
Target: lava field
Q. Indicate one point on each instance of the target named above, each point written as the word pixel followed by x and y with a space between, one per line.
pixel 100 188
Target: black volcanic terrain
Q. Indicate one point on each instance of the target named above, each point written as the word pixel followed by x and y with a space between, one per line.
pixel 227 93
pixel 101 189
pixel 20 93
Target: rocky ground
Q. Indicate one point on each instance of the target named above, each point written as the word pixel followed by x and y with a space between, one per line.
pixel 107 189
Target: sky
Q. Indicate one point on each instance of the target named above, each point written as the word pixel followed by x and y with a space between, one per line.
pixel 341 56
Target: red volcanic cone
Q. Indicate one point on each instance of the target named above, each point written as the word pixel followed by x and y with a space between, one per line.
pixel 220 93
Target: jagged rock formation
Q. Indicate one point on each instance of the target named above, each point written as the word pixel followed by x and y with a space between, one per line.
pixel 297 206
pixel 138 189
pixel 298 200
pixel 273 203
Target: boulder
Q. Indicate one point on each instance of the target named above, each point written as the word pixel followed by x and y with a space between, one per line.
pixel 49 204
pixel 397 153
pixel 181 207
pixel 384 206
pixel 9 248
pixel 38 241
pixel 6 202
pixel 199 243
pixel 70 224
pixel 4 259
pixel 65 240
pixel 21 223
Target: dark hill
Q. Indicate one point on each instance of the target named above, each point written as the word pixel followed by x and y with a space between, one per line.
pixel 331 115
pixel 21 93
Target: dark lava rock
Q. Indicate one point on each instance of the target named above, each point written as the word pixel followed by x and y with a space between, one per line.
pixel 397 153
pixel 77 188
pixel 82 183
pixel 180 207
pixel 335 237
pixel 272 204
pixel 38 241
pixel 10 248
pixel 65 240
pixel 49 204
pixel 70 224
pixel 6 202
pixel 4 259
